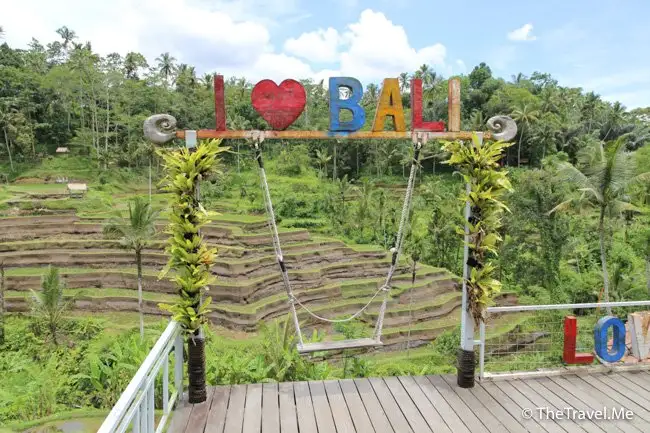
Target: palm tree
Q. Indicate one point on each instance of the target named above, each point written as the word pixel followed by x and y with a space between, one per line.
pixel 132 62
pixel 323 158
pixel 166 66
pixel 403 81
pixel 602 176
pixel 208 81
pixel 67 35
pixel 49 304
pixel 524 114
pixel 135 232
pixel 372 92
pixel 2 33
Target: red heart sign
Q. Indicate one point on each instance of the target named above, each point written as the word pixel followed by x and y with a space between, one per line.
pixel 279 105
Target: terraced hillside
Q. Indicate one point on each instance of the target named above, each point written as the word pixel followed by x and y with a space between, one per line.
pixel 332 278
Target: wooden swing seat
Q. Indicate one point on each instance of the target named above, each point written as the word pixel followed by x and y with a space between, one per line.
pixel 339 345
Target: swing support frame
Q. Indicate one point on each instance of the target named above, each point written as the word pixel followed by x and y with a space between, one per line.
pixel 161 128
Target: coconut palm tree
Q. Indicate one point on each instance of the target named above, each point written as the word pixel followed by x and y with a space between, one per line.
pixel 403 81
pixel 67 35
pixel 2 33
pixel 135 232
pixel 132 62
pixel 166 66
pixel 208 81
pixel 49 303
pixel 323 158
pixel 372 92
pixel 525 114
pixel 602 176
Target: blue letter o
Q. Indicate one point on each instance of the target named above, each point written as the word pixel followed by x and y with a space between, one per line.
pixel 600 339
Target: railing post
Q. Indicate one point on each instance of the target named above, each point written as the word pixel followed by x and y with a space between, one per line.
pixel 465 367
pixel 151 420
pixel 165 391
pixel 178 366
pixel 136 420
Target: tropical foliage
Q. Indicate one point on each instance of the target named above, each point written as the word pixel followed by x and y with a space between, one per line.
pixel 49 304
pixel 189 255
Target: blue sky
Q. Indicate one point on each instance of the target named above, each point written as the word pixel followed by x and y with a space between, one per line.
pixel 600 46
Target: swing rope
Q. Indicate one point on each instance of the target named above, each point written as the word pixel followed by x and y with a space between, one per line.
pixel 280 258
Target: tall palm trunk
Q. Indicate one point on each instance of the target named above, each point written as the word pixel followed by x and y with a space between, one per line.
pixel 138 260
pixel 603 258
pixel 521 138
pixel 2 302
pixel 647 273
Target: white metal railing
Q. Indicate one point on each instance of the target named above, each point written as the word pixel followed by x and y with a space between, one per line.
pixel 136 404
pixel 555 329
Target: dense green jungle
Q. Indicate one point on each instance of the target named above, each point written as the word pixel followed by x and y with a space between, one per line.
pixel 576 230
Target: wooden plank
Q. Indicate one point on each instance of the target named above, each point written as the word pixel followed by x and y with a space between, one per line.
pixel 199 415
pixel 270 408
pixel 375 411
pixel 253 409
pixel 572 400
pixel 448 414
pixel 559 403
pixel 547 385
pixel 593 398
pixel 486 417
pixel 522 401
pixel 509 422
pixel 339 408
pixel 326 135
pixel 511 407
pixel 464 412
pixel 288 415
pixel 429 413
pixel 235 414
pixel 620 394
pixel 610 400
pixel 540 402
pixel 619 386
pixel 391 409
pixel 357 409
pixel 630 383
pixel 640 378
pixel 338 345
pixel 218 410
pixel 322 409
pixel 304 407
pixel 180 417
pixel 410 411
pixel 453 104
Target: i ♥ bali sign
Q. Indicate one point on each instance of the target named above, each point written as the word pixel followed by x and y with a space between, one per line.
pixel 280 105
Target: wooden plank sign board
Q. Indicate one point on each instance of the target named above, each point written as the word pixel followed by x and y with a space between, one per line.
pixel 280 105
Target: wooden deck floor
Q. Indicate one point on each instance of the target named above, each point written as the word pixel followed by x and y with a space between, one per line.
pixel 420 404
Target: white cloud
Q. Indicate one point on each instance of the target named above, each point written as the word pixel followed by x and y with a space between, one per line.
pixel 460 65
pixel 317 46
pixel 227 36
pixel 523 33
pixel 377 48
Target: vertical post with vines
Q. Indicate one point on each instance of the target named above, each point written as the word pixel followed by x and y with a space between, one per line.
pixel 190 258
pixel 478 164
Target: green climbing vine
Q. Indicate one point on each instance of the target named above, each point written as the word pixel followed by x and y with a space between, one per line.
pixel 189 255
pixel 478 163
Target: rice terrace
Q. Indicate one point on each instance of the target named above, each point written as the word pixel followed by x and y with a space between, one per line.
pixel 198 252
